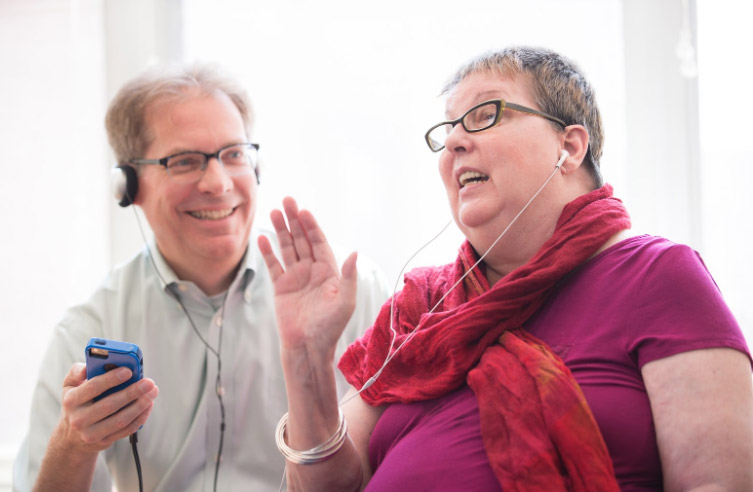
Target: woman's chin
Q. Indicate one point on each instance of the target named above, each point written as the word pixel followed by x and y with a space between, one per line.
pixel 472 216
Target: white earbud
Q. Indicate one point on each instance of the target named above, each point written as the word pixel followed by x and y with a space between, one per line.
pixel 564 155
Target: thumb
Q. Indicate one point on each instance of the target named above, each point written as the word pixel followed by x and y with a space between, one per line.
pixel 349 279
pixel 76 375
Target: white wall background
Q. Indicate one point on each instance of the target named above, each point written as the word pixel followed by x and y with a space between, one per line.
pixel 343 93
pixel 348 90
pixel 53 199
pixel 726 200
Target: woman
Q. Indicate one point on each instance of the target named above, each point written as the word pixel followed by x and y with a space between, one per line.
pixel 559 351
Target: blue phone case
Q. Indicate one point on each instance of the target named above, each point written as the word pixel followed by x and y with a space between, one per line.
pixel 103 355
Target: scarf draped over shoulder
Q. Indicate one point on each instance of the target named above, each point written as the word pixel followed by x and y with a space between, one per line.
pixel 537 429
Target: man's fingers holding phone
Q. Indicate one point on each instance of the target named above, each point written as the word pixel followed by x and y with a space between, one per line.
pixel 129 419
pixel 99 423
pixel 96 386
pixel 142 392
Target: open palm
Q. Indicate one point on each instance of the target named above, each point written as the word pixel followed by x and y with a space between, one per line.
pixel 313 301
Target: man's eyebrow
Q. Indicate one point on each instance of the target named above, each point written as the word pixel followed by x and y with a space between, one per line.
pixel 184 150
pixel 178 150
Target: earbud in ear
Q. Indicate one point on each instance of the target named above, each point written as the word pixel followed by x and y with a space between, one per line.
pixel 125 184
pixel 563 156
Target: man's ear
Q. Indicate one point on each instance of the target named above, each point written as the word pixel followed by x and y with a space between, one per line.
pixel 575 141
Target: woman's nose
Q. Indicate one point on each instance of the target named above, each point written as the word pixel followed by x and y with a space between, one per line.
pixel 458 140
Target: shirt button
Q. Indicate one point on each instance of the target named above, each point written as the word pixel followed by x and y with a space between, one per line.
pixel 182 287
pixel 247 295
pixel 218 321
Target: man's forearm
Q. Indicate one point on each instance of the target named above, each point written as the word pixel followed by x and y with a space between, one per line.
pixel 63 469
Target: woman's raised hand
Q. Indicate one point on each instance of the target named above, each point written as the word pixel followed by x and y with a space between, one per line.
pixel 313 300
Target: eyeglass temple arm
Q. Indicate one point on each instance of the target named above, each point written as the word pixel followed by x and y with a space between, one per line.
pixel 156 162
pixel 523 109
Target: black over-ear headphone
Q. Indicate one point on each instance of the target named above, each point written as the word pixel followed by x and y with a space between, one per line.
pixel 125 183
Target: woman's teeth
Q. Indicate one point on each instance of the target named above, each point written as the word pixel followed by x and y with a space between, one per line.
pixel 471 177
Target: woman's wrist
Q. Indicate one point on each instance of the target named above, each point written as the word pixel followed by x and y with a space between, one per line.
pixel 307 359
pixel 312 396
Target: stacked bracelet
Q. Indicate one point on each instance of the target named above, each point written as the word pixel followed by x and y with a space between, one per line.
pixel 313 455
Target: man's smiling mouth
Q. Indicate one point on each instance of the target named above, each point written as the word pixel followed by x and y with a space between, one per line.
pixel 211 214
pixel 471 177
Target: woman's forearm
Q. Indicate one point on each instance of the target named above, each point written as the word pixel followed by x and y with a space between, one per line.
pixel 313 417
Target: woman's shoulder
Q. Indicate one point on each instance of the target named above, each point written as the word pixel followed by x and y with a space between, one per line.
pixel 649 248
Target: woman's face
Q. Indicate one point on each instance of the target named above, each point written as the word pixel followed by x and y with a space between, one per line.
pixel 489 176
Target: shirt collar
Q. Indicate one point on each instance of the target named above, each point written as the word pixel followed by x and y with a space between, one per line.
pixel 249 266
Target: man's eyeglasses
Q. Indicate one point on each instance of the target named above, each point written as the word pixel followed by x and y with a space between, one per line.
pixel 479 118
pixel 237 159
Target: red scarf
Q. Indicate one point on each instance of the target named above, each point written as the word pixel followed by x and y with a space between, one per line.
pixel 537 429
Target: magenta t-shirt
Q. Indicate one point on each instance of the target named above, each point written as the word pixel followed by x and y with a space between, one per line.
pixel 643 299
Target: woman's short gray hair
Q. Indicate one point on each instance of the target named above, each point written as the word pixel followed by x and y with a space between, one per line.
pixel 558 87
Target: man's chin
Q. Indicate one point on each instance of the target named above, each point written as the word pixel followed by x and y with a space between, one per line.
pixel 220 248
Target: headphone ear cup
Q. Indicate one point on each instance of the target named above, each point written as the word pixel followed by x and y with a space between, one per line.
pixel 125 184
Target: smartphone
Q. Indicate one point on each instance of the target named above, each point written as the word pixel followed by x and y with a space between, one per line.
pixel 104 355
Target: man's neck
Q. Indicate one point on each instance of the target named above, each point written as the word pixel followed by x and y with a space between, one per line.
pixel 211 276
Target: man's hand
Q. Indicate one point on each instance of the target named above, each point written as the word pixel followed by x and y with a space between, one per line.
pixel 87 427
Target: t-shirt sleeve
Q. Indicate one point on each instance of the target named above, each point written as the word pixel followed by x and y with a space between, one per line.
pixel 679 308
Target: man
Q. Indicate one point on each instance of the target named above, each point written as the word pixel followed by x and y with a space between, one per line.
pixel 197 300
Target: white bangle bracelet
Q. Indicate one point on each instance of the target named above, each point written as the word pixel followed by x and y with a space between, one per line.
pixel 313 455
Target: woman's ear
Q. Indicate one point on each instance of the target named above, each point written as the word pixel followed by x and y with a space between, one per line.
pixel 575 142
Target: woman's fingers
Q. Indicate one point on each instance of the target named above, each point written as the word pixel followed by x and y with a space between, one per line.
pixel 320 248
pixel 300 240
pixel 300 237
pixel 349 281
pixel 273 265
pixel 284 238
pixel 294 244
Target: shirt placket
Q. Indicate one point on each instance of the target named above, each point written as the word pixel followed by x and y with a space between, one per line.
pixel 213 411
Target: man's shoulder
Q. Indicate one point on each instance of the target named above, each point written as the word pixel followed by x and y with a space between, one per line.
pixel 135 273
pixel 122 281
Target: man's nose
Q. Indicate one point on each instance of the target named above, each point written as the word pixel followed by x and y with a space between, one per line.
pixel 215 178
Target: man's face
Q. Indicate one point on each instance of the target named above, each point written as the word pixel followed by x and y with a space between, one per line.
pixel 205 223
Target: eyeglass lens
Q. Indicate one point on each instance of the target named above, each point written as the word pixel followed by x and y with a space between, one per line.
pixel 237 160
pixel 475 120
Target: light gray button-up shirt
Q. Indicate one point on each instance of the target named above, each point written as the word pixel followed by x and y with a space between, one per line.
pixel 178 444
